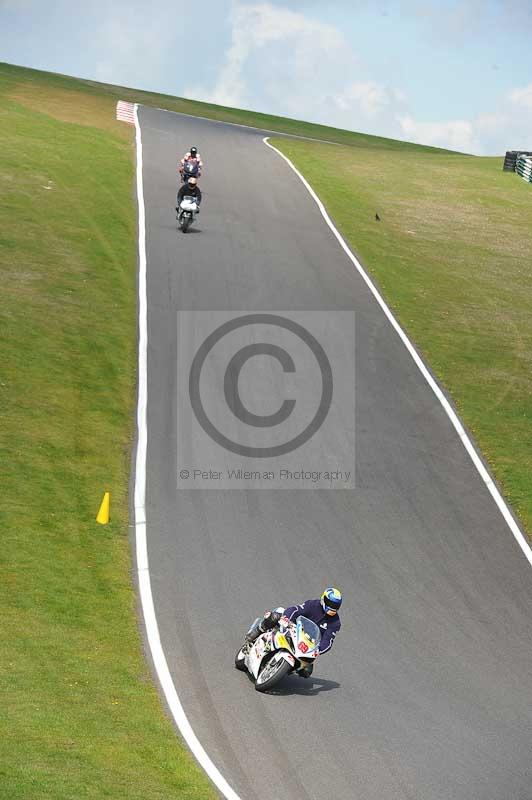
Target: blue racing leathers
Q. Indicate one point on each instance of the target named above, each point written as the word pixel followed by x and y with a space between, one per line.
pixel 329 626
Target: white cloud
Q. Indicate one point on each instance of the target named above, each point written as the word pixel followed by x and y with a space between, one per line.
pixel 371 97
pixel 522 96
pixel 294 48
pixel 507 127
pixel 283 62
pixel 456 134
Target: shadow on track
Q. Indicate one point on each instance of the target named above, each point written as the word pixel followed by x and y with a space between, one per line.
pixel 304 686
pixel 190 230
pixel 293 684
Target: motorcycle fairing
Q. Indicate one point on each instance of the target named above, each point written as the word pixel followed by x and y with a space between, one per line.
pixel 260 648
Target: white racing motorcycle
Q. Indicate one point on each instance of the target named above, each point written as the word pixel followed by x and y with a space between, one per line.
pixel 187 210
pixel 290 646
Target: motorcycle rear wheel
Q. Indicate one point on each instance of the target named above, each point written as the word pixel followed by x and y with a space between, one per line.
pixel 272 673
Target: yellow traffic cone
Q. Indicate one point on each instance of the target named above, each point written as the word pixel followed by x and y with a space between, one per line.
pixel 103 513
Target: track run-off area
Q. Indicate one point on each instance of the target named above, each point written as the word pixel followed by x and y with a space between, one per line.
pixel 426 691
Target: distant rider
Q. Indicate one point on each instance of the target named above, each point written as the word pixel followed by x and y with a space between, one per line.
pixel 323 611
pixel 192 157
pixel 190 189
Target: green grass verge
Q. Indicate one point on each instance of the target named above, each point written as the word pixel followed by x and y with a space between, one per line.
pixel 80 717
pixel 452 257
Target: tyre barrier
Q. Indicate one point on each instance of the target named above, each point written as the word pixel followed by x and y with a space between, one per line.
pixel 510 159
pixel 523 167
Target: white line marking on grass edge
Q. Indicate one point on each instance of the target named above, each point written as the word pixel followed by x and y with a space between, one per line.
pixel 146 597
pixel 466 441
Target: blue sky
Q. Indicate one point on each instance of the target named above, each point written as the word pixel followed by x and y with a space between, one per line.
pixel 443 72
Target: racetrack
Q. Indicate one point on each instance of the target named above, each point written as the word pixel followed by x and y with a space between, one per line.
pixel 426 693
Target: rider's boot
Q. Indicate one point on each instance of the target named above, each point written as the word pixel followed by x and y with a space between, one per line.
pixel 269 621
pixel 254 633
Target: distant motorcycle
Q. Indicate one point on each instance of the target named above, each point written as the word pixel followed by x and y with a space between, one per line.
pixel 188 208
pixel 289 647
pixel 190 169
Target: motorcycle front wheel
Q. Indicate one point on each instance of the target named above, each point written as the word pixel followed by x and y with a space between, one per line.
pixel 271 674
pixel 240 660
pixel 185 224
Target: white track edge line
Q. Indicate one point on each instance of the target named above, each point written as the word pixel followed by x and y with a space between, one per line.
pixel 146 597
pixel 466 441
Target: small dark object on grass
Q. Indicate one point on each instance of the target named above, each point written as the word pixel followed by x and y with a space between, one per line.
pixel 377 218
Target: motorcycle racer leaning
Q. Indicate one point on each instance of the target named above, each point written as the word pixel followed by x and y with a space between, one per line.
pixel 323 611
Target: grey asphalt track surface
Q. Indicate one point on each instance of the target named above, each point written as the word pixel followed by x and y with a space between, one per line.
pixel 427 692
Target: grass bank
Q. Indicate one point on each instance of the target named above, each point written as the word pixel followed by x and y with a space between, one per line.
pixel 80 716
pixel 451 255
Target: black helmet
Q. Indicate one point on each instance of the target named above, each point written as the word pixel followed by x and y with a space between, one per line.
pixel 193 151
